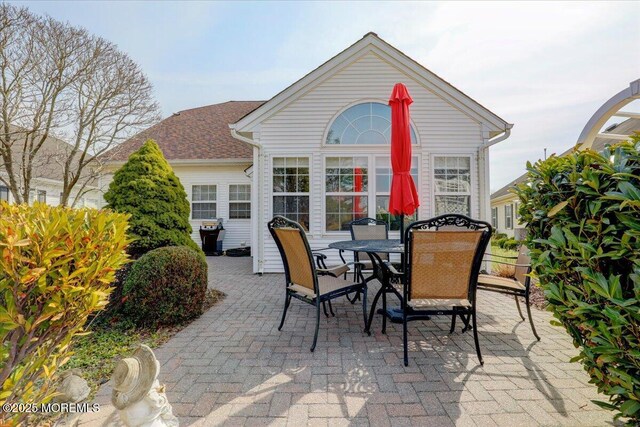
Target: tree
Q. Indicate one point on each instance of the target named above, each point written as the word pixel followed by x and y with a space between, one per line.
pixel 60 81
pixel 146 188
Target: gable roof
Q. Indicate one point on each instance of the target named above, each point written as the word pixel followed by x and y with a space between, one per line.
pixel 371 42
pixel 599 144
pixel 196 134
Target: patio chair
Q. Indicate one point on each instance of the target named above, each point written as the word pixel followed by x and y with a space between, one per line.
pixel 302 279
pixel 442 261
pixel 368 229
pixel 518 286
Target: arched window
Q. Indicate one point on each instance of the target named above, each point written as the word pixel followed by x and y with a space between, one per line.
pixel 363 124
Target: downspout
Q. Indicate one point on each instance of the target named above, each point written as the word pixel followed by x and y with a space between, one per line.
pixel 483 161
pixel 257 193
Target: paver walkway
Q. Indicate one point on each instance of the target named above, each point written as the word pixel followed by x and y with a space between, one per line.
pixel 233 367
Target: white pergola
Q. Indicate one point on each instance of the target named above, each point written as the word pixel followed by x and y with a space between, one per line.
pixel 611 108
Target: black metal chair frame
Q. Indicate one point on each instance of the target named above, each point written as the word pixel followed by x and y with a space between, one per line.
pixel 515 292
pixel 386 271
pixel 280 222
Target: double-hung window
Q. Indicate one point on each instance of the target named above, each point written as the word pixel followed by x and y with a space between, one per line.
pixel 204 202
pixel 494 217
pixel 346 191
pixel 384 178
pixel 4 193
pixel 291 189
pixel 452 181
pixel 42 196
pixel 240 201
pixel 508 217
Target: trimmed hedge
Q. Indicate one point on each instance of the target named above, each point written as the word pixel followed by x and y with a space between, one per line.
pixel 166 286
pixel 583 218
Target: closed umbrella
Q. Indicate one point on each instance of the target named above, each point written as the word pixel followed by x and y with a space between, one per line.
pixel 403 199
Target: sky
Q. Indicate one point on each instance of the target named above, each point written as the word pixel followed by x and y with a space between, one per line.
pixel 546 67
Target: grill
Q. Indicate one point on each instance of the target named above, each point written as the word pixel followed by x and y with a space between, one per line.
pixel 212 236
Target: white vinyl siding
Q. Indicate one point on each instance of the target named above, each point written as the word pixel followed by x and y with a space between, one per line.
pixel 238 231
pixel 300 130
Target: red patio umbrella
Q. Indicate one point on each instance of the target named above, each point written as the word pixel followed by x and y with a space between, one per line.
pixel 403 199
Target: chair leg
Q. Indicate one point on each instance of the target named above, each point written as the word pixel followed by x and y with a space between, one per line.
pixel 331 308
pixel 324 308
pixel 518 305
pixel 405 338
pixel 372 312
pixel 384 312
pixel 453 322
pixel 533 328
pixel 465 320
pixel 284 313
pixel 315 336
pixel 475 335
pixel 364 306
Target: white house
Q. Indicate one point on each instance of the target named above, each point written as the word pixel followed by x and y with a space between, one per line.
pixel 47 177
pixel 318 152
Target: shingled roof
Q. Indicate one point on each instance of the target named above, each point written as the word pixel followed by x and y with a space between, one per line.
pixel 627 127
pixel 195 134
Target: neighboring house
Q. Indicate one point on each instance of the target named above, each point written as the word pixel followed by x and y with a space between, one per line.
pixel 318 152
pixel 46 184
pixel 214 168
pixel 504 203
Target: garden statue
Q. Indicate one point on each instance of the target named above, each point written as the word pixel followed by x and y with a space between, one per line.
pixel 137 394
pixel 72 389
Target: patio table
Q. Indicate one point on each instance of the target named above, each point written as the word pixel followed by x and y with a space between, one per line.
pixel 389 246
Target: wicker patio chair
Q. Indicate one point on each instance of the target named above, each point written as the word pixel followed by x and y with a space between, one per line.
pixel 302 279
pixel 442 261
pixel 518 286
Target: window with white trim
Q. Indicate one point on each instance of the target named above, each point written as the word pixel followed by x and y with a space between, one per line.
pixel 516 214
pixel 368 123
pixel 42 196
pixel 508 217
pixel 452 185
pixel 4 193
pixel 291 189
pixel 494 217
pixel 346 191
pixel 204 201
pixel 239 201
pixel 384 178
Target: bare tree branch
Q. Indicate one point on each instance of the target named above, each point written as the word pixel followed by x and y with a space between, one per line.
pixel 58 81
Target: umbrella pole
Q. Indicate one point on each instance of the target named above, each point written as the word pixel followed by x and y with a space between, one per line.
pixel 402 228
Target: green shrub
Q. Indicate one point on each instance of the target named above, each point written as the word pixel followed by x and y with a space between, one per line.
pixel 166 286
pixel 146 188
pixel 511 244
pixel 583 219
pixel 499 236
pixel 500 242
pixel 56 268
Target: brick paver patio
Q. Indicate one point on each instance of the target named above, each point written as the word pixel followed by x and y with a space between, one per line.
pixel 233 367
